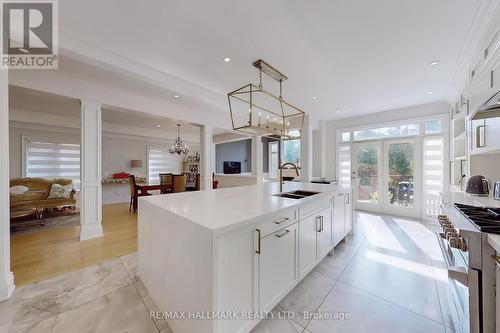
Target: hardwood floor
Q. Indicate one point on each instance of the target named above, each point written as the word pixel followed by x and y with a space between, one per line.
pixel 35 257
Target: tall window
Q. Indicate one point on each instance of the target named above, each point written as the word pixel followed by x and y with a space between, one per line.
pixel 291 151
pixel 161 161
pixel 273 159
pixel 49 160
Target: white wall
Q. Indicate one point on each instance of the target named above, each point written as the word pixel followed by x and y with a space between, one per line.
pixel 372 119
pixel 117 151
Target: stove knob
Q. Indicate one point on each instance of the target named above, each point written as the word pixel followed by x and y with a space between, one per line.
pixel 458 243
pixel 451 234
pixel 447 230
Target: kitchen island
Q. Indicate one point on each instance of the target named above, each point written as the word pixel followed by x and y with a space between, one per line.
pixel 219 260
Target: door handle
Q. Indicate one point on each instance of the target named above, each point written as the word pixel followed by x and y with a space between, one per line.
pixel 258 241
pixel 348 197
pixel 283 233
pixel 282 220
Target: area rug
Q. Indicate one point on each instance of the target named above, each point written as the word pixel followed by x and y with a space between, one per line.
pixel 51 220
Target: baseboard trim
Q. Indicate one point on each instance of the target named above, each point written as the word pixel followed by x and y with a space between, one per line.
pixel 89 231
pixel 7 287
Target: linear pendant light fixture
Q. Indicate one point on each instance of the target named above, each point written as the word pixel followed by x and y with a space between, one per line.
pixel 255 110
pixel 178 147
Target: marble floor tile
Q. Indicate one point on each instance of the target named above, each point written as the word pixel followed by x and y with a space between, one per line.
pixel 278 325
pixel 118 311
pixel 328 267
pixel 367 314
pixel 50 297
pixel 130 263
pixel 8 309
pixel 150 304
pixel 406 283
pixel 307 296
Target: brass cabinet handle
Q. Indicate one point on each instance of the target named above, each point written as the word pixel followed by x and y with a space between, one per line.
pixel 283 234
pixel 258 241
pixel 282 220
pixel 496 259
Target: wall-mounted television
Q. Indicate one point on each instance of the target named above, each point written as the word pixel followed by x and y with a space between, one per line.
pixel 232 167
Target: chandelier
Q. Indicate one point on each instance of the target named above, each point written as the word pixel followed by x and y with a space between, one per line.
pixel 257 111
pixel 178 147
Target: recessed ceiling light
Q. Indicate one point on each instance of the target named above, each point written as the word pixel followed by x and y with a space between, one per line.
pixel 227 59
pixel 434 63
pixel 338 111
pixel 158 125
pixel 176 96
pixel 429 93
pixel 315 97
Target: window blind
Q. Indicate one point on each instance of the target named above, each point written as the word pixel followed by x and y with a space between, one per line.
pixel 433 174
pixel 49 160
pixel 345 165
pixel 161 161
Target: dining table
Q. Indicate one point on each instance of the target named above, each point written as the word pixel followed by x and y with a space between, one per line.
pixel 144 188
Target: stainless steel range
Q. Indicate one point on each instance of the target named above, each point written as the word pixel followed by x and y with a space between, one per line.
pixel 471 270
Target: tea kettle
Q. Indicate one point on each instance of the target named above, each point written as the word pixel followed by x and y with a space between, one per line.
pixel 478 185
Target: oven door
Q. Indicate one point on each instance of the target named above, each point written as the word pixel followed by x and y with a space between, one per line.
pixel 463 289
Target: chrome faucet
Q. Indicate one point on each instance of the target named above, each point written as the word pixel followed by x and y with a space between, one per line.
pixel 281 173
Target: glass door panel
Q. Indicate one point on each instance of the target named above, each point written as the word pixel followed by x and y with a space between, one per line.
pixel 400 160
pixel 367 173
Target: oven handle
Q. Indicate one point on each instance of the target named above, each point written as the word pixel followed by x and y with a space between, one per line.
pixel 457 273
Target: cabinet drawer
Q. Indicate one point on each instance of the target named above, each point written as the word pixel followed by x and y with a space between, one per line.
pixel 277 222
pixel 308 208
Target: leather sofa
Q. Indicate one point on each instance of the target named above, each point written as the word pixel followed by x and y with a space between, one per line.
pixel 35 200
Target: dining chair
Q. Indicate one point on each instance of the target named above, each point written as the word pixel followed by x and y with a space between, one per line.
pixel 179 182
pixel 165 178
pixel 134 193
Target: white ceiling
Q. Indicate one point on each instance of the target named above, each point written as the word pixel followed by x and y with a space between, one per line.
pixel 356 56
pixel 33 100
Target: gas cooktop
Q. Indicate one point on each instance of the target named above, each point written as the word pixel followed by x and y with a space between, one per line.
pixel 484 218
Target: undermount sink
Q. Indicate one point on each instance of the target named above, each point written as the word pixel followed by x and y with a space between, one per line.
pixel 299 194
pixel 304 193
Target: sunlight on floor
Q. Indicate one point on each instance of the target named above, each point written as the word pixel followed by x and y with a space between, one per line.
pixel 384 238
pixel 407 265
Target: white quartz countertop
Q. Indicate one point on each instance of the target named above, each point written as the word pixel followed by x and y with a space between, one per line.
pixel 224 208
pixel 473 200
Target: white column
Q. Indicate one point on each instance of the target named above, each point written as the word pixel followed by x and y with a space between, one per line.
pixel 91 191
pixel 306 151
pixel 205 157
pixel 6 276
pixel 322 134
pixel 257 158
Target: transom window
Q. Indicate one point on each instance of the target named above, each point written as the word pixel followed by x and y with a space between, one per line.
pixel 387 132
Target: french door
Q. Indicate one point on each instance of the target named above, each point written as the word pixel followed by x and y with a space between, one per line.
pixel 386 176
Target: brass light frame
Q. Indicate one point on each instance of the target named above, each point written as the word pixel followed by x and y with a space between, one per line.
pixel 285 111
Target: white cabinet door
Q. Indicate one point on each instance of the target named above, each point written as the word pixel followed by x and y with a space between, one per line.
pixel 325 232
pixel 278 271
pixel 308 229
pixel 348 213
pixel 338 218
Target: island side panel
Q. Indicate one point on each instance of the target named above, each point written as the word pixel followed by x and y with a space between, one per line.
pixel 175 263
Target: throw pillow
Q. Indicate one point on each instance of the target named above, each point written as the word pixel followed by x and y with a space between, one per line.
pixel 18 189
pixel 58 191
